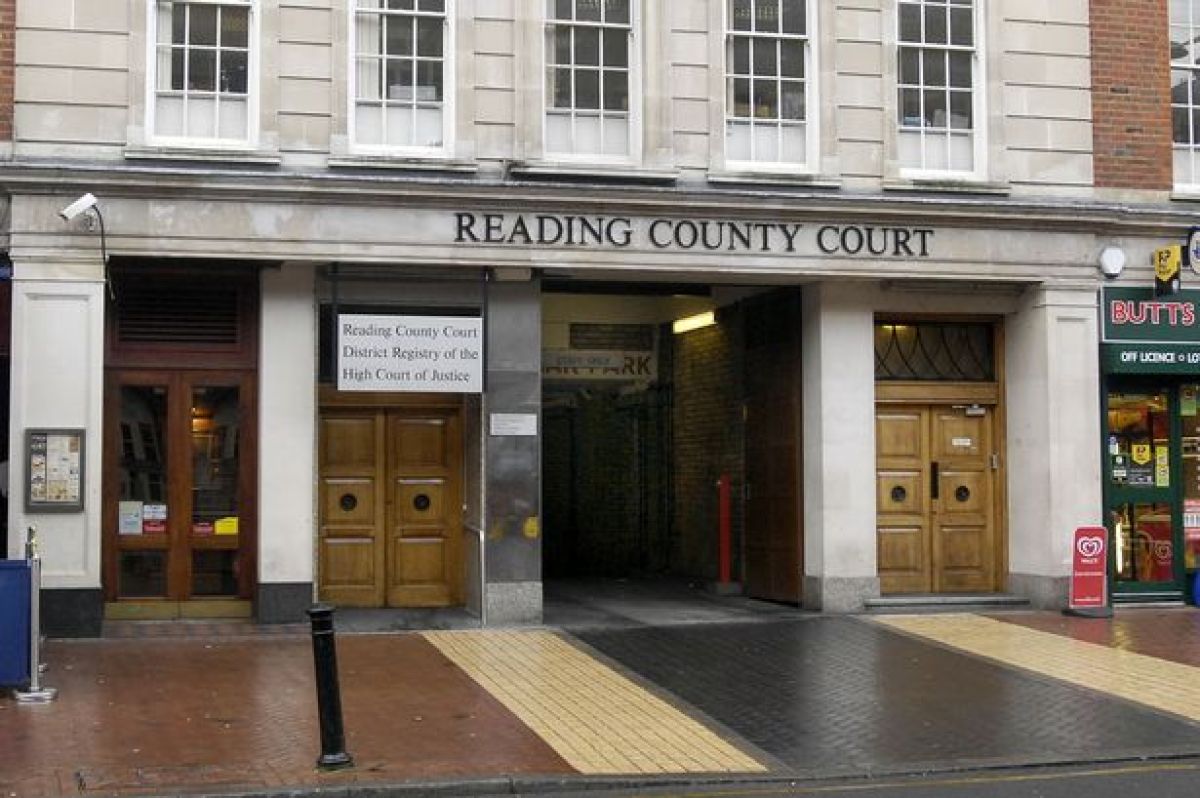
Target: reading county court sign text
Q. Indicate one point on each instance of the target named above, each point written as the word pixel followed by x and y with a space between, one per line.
pixel 712 235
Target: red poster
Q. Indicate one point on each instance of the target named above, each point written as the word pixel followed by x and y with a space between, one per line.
pixel 1089 568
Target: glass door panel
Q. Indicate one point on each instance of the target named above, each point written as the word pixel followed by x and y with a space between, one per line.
pixel 1189 415
pixel 215 514
pixel 142 504
pixel 1142 488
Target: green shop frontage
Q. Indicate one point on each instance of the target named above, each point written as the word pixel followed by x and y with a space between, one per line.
pixel 1150 369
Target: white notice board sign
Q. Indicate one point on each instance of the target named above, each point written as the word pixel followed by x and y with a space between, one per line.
pixel 442 354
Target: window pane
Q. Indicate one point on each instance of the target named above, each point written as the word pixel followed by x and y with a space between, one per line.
pixel 143 444
pixel 235 27
pixel 178 16
pixel 202 27
pixel 960 110
pixel 202 70
pixel 233 73
pixel 587 88
pixel 429 38
pixel 616 48
pixel 177 69
pixel 961 27
pixel 368 79
pixel 935 25
pixel 739 14
pixel 792 59
pixel 587 10
pixel 214 572
pixel 143 574
pixel 910 107
pixel 766 99
pixel 740 100
pixel 399 35
pixel 960 70
pixel 560 46
pixel 1180 130
pixel 766 16
pixel 400 5
pixel 616 11
pixel 765 57
pixel 437 6
pixel 400 80
pixel 910 66
pixel 616 90
pixel 587 46
pixel 558 87
pixel 1195 134
pixel 741 55
pixel 935 67
pixel 737 141
pixel 1181 44
pixel 793 100
pixel 429 81
pixel 935 108
pixel 910 23
pixel 793 16
pixel 215 420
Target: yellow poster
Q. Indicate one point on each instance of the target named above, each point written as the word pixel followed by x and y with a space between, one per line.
pixel 1140 453
pixel 226 526
pixel 1162 467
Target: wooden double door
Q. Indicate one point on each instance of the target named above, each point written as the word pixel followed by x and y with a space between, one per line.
pixel 391 506
pixel 937 478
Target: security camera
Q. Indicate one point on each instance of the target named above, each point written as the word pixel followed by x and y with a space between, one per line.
pixel 84 203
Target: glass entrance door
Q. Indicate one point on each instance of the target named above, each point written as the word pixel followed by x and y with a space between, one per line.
pixel 176 519
pixel 1143 474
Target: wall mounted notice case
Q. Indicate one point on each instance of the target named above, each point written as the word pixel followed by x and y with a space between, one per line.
pixel 54 478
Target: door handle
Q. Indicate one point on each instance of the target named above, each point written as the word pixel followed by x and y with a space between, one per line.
pixel 933 480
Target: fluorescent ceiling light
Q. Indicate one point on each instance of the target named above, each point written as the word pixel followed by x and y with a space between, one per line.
pixel 693 322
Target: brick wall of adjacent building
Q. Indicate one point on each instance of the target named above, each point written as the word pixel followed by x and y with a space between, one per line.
pixel 1131 100
pixel 709 440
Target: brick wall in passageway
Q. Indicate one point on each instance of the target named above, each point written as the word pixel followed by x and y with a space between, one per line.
pixel 708 439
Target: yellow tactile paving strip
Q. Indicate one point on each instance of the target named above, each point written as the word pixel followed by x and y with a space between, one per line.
pixel 599 721
pixel 1157 683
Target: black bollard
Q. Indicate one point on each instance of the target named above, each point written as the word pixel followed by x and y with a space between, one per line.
pixel 329 696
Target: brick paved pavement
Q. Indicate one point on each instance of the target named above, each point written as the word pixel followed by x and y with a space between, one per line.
pixel 1170 634
pixel 804 696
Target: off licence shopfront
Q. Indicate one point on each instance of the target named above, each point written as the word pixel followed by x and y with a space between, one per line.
pixel 1150 361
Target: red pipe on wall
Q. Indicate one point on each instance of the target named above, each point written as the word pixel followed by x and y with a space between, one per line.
pixel 724 531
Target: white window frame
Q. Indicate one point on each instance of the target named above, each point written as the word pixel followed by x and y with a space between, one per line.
pixel 978 97
pixel 1192 148
pixel 634 132
pixel 253 60
pixel 812 97
pixel 449 91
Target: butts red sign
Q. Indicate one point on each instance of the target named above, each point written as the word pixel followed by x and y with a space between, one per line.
pixel 1089 568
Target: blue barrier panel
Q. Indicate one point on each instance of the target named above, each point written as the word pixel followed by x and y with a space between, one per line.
pixel 14 623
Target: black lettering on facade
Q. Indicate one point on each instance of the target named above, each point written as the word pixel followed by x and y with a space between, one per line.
pixel 828 249
pixel 465 227
pixel 790 232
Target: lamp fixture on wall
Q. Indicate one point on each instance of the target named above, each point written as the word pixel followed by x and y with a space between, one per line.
pixel 1112 261
pixel 88 204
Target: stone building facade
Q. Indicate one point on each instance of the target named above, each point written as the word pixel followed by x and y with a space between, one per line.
pixel 894 211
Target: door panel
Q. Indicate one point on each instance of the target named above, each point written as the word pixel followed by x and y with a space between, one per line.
pixel 902 497
pixel 935 498
pixel 963 543
pixel 352 509
pixel 773 490
pixel 425 500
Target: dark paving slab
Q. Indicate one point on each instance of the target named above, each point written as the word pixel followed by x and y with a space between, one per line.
pixel 839 695
pixel 1170 634
pixel 623 603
